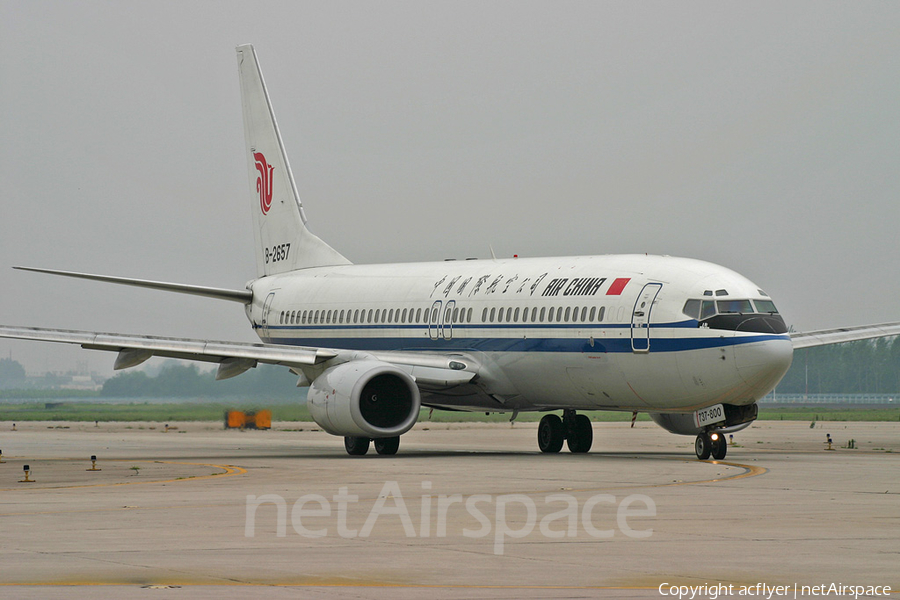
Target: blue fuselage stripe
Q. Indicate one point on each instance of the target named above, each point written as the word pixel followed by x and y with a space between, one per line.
pixel 522 344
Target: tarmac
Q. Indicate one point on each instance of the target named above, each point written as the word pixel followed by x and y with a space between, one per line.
pixel 462 511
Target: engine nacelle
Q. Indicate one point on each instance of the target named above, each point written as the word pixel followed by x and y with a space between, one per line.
pixel 736 418
pixel 364 398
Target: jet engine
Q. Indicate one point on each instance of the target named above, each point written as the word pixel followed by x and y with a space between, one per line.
pixel 736 418
pixel 364 398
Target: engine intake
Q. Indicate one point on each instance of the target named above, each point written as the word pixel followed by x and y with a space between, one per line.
pixel 364 398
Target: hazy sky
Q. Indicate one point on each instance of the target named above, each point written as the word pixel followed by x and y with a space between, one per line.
pixel 763 136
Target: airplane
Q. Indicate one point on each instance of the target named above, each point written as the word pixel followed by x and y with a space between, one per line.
pixel 694 344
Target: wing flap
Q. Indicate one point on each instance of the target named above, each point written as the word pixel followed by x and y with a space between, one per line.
pixel 844 334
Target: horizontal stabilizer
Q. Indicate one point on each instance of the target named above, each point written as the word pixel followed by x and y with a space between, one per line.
pixel 242 296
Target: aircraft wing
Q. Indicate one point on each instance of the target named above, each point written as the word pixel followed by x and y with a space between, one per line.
pixel 234 358
pixel 844 334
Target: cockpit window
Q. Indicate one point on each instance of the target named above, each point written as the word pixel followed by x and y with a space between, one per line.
pixel 734 306
pixel 765 306
pixel 704 309
pixel 692 309
pixel 749 316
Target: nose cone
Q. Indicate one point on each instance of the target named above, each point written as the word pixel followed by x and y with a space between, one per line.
pixel 762 364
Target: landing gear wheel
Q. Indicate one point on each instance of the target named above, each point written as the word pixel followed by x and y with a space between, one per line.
pixel 703 446
pixel 550 434
pixel 719 446
pixel 387 446
pixel 356 446
pixel 581 435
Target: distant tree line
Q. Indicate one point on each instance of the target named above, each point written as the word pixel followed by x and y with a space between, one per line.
pixel 864 367
pixel 12 374
pixel 176 380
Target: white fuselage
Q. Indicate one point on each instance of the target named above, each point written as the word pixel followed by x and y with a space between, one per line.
pixel 592 332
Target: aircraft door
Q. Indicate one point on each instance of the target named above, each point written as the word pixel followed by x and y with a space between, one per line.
pixel 434 320
pixel 640 317
pixel 264 321
pixel 447 323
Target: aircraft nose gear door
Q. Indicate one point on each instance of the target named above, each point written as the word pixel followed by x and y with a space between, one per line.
pixel 640 318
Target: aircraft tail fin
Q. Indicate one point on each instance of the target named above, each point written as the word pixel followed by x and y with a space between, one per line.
pixel 283 243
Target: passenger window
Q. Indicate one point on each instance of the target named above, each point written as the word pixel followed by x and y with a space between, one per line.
pixel 500 316
pixel 534 314
pixel 600 313
pixel 282 317
pixel 469 316
pixel 591 314
pixel 403 316
pixel 492 315
pixel 584 313
pixel 456 315
pixel 559 312
pixel 575 314
pixel 542 314
pixel 566 318
pixel 516 315
pixel 434 315
pixel 484 315
pixel 418 315
pixel 550 314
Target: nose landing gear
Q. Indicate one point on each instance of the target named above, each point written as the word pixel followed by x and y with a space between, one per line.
pixel 708 444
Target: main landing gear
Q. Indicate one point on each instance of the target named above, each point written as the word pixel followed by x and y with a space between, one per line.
pixel 358 446
pixel 708 444
pixel 574 429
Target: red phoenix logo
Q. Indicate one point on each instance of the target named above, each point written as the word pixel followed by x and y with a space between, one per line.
pixel 263 182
